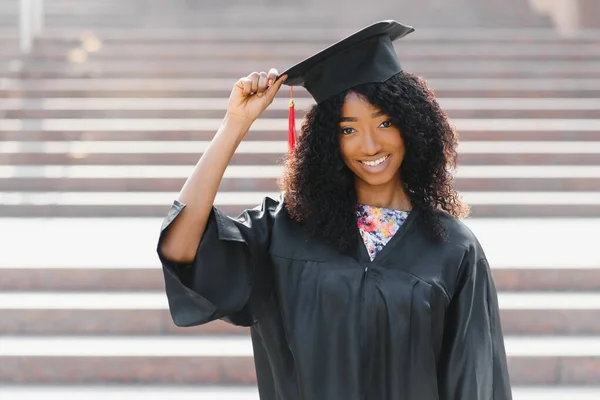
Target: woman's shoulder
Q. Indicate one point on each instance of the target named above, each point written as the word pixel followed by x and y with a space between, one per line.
pixel 457 231
pixel 270 207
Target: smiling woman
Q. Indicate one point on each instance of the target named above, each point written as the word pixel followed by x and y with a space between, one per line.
pixel 385 144
pixel 360 282
pixel 373 149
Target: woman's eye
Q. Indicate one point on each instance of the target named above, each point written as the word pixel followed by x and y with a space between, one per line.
pixel 347 131
pixel 386 124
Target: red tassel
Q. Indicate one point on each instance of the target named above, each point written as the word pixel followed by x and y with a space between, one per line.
pixel 291 123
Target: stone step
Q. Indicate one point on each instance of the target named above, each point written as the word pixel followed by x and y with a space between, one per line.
pixel 75 242
pixel 489 133
pixel 356 15
pixel 517 125
pixel 279 147
pixel 261 11
pixel 484 204
pixel 74 10
pixel 198 114
pixel 271 153
pixel 449 69
pixel 115 279
pixel 146 313
pixel 302 34
pixel 226 84
pixel 86 71
pixel 252 171
pixel 42 108
pixel 32 322
pixel 157 301
pixel 279 20
pixel 151 322
pixel 265 52
pixel 141 91
pixel 172 185
pixel 43 113
pixel 243 199
pixel 221 360
pixel 25 160
pixel 451 105
pixel 502 211
pixel 408 47
pixel 186 392
pixel 267 57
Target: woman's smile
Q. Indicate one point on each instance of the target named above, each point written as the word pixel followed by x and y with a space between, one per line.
pixel 375 165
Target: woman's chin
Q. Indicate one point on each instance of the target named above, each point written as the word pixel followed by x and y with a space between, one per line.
pixel 378 179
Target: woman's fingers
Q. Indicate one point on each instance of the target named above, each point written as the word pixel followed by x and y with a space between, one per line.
pixel 254 79
pixel 272 76
pixel 260 83
pixel 247 85
pixel 274 88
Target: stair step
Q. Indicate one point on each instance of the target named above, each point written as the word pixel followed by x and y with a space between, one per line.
pixel 446 70
pixel 167 114
pixel 279 147
pixel 215 360
pixel 514 159
pixel 245 199
pixel 229 52
pixel 139 313
pixel 145 211
pixel 74 242
pixel 158 301
pixel 303 34
pixel 252 171
pixel 128 279
pixel 505 133
pixel 153 392
pixel 408 47
pixel 34 322
pixel 219 104
pixel 236 346
pixel 279 124
pixel 144 92
pixel 34 108
pixel 214 84
pixel 25 186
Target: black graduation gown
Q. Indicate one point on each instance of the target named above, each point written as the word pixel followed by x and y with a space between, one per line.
pixel 419 322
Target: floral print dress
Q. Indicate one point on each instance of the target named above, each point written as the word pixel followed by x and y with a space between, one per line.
pixel 378 225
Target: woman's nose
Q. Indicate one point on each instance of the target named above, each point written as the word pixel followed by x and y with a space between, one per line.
pixel 370 144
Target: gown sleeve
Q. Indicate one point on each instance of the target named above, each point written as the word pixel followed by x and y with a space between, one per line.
pixel 473 364
pixel 229 277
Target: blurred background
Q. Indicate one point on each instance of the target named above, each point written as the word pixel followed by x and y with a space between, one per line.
pixel 106 105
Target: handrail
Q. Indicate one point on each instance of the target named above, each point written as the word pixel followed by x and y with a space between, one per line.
pixel 31 22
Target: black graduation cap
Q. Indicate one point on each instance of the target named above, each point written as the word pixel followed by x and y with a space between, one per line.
pixel 363 57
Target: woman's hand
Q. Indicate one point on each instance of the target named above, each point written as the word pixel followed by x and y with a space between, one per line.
pixel 252 95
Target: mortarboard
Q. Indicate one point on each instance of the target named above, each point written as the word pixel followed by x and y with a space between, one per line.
pixel 365 56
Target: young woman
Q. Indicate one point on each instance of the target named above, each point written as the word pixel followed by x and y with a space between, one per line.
pixel 360 282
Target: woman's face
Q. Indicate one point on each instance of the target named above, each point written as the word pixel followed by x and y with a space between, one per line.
pixel 371 146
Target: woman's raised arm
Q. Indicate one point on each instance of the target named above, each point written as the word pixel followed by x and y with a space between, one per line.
pixel 249 98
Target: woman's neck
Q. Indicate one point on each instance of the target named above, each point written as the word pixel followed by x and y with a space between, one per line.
pixel 390 195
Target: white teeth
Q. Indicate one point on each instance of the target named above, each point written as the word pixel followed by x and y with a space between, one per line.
pixel 376 162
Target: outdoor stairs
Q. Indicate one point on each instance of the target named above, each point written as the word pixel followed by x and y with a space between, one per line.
pixel 103 121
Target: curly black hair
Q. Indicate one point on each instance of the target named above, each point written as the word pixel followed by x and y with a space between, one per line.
pixel 319 187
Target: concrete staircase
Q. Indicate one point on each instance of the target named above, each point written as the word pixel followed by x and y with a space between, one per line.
pixel 101 124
